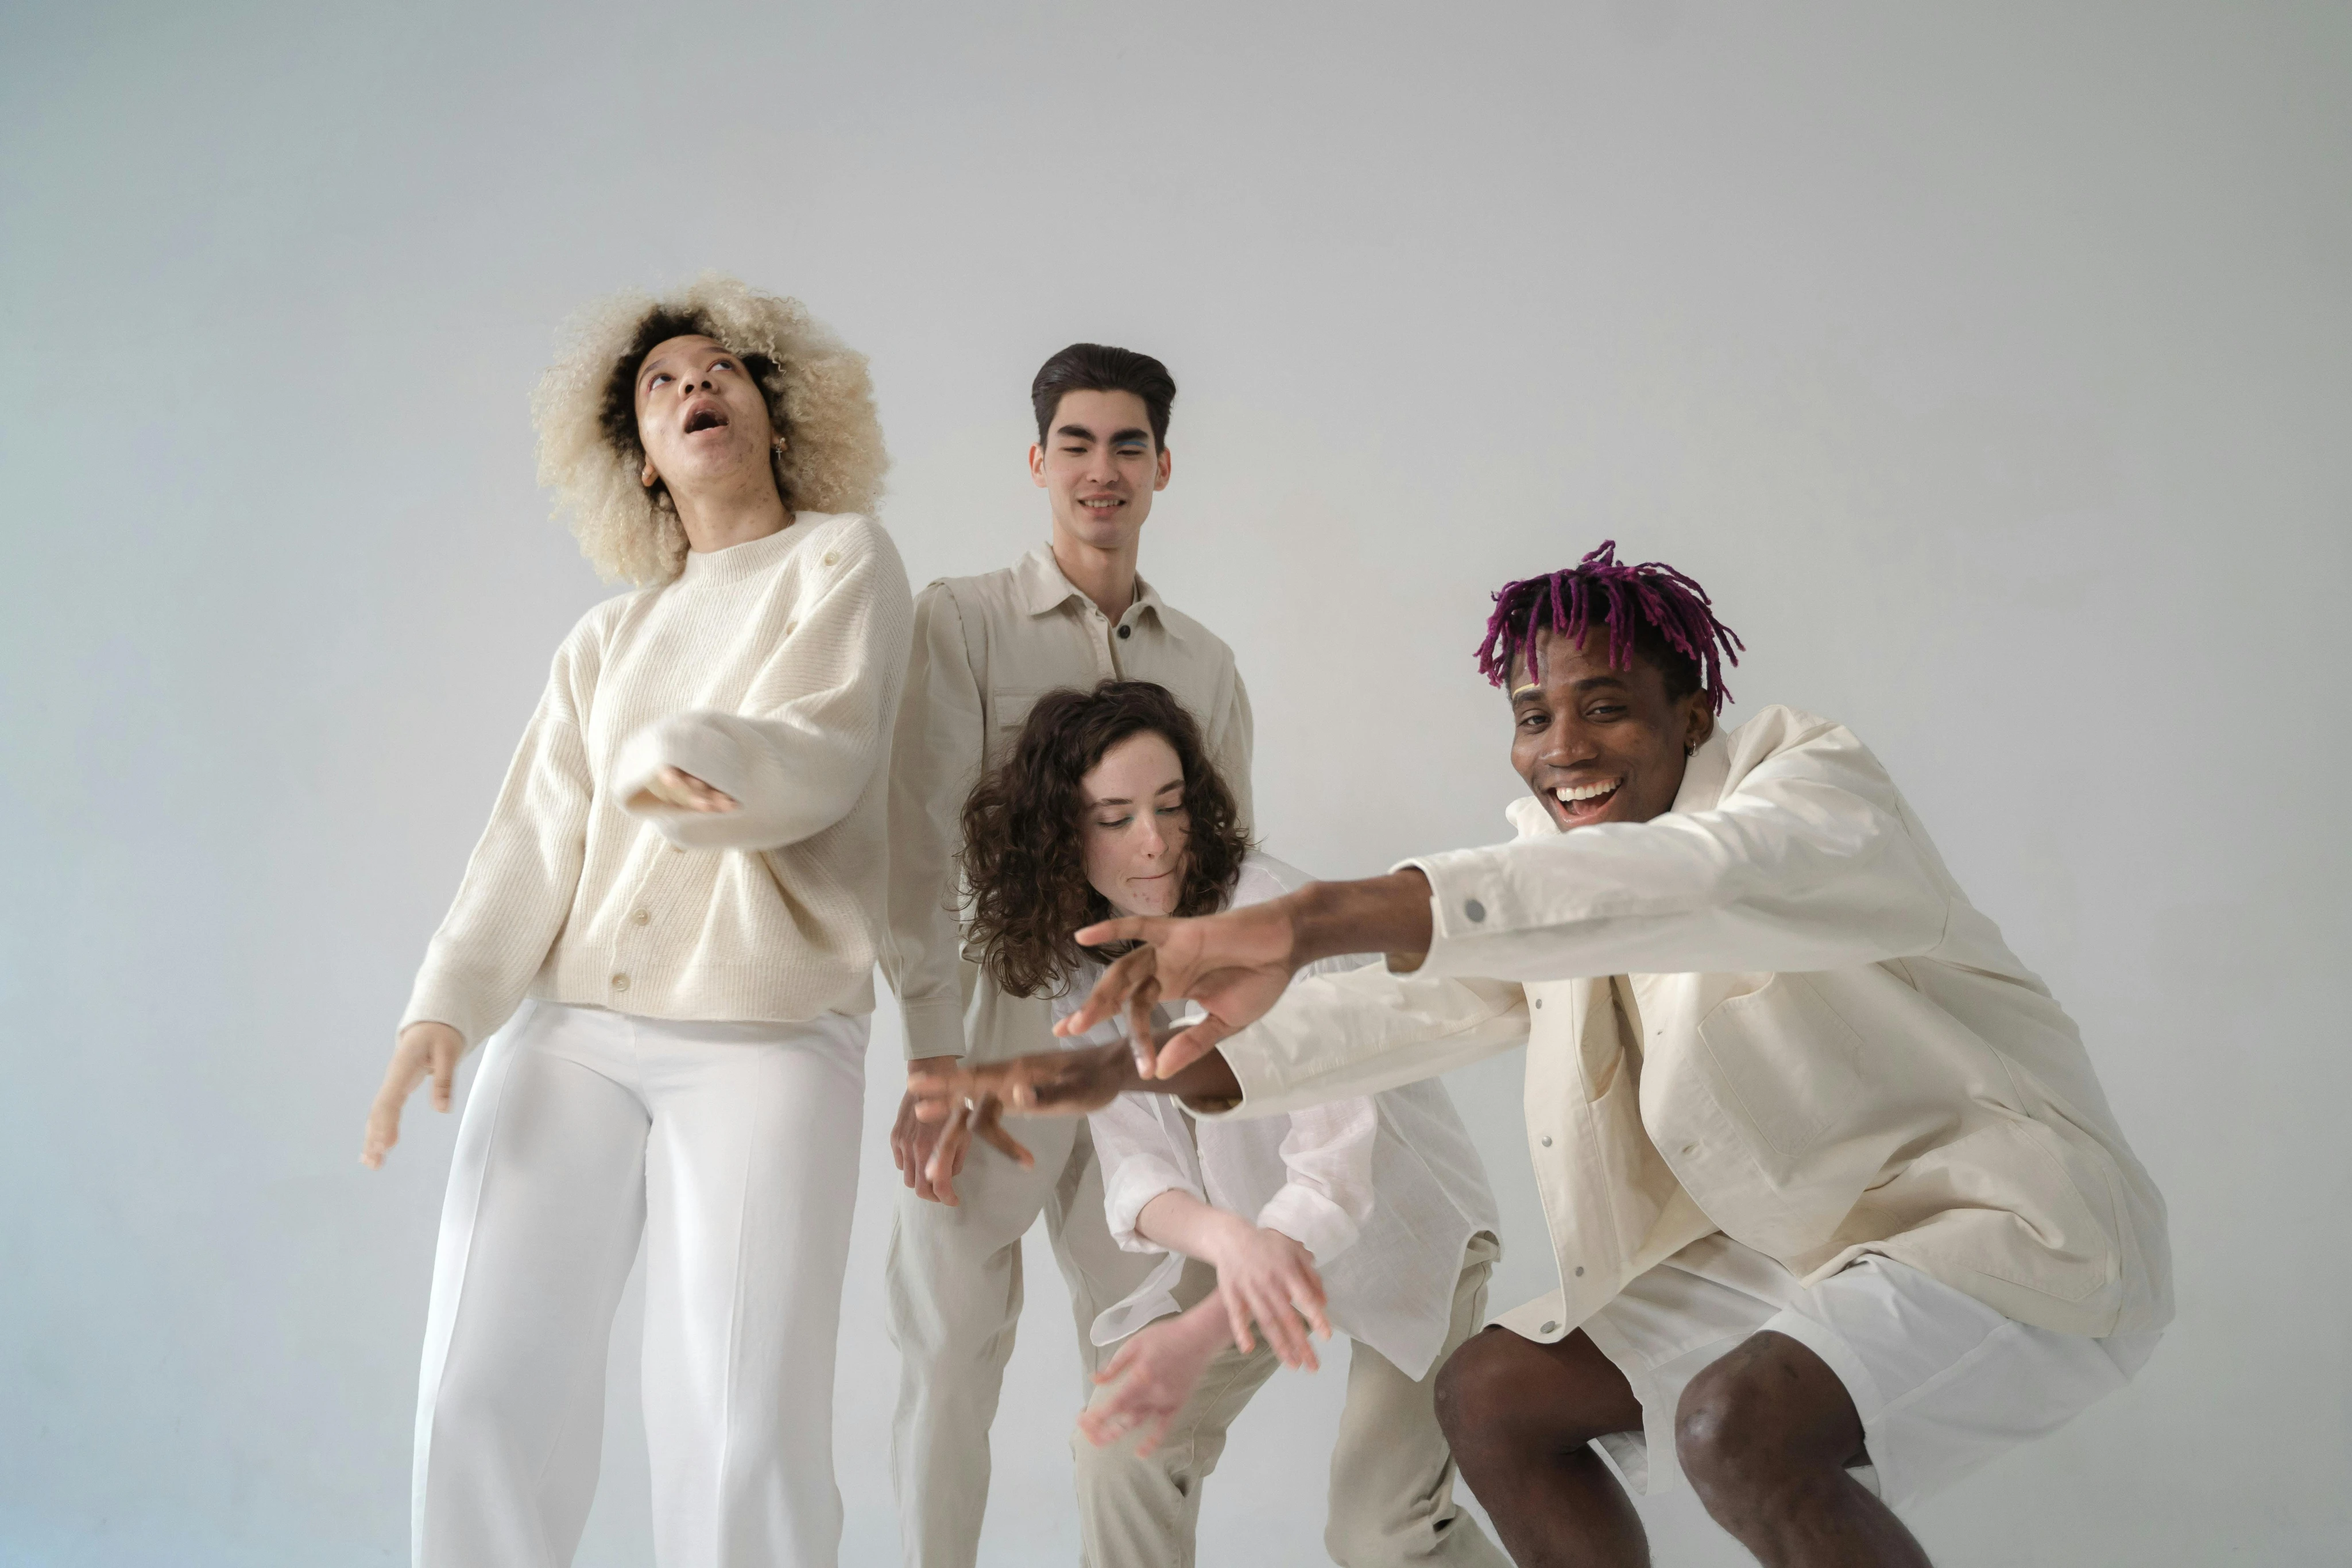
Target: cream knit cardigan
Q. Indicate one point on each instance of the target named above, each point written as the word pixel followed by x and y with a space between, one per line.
pixel 772 671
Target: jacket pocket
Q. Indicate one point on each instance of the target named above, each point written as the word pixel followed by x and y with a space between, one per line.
pixel 1789 1065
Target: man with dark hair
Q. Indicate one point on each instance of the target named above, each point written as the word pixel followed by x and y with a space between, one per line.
pixel 1071 613
pixel 1839 1208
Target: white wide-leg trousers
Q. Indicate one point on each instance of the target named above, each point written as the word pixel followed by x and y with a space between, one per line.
pixel 731 1149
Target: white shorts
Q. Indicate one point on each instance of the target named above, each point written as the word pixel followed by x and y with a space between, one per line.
pixel 1942 1382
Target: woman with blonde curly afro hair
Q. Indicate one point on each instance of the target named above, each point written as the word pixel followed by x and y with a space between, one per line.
pixel 682 874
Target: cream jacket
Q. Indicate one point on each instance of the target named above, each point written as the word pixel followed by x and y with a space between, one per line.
pixel 770 670
pixel 986 648
pixel 1386 1190
pixel 1813 1043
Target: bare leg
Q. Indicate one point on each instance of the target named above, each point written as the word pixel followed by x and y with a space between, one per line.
pixel 1522 1417
pixel 1765 1436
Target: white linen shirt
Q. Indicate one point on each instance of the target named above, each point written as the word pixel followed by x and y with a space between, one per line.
pixel 1817 1045
pixel 1385 1190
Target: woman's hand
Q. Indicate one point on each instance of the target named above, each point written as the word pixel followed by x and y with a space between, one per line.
pixel 423 1048
pixel 1264 1275
pixel 675 788
pixel 1156 1370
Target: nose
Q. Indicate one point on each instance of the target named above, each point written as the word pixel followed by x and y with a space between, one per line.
pixel 1570 743
pixel 1155 842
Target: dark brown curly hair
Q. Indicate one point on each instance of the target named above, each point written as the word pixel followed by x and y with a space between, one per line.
pixel 1023 856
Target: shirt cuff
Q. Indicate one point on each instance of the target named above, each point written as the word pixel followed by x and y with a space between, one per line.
pixel 1469 897
pixel 1129 1189
pixel 1311 1219
pixel 933 1027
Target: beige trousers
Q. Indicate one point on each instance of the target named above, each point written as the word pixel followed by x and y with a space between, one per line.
pixel 1392 1487
pixel 953 1287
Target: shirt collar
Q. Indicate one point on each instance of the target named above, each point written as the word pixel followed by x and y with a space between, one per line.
pixel 1042 587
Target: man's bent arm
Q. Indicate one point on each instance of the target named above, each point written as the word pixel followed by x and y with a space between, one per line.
pixel 936 754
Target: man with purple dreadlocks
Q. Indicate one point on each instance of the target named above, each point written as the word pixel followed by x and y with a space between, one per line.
pixel 1839 1208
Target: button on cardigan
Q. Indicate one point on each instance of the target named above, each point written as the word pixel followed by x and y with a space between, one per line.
pixel 770 670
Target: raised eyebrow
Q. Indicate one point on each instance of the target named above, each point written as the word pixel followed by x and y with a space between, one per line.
pixel 646 369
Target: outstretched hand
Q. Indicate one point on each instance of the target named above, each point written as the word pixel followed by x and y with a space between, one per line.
pixel 1234 965
pixel 972 1099
pixel 1155 1372
pixel 979 1115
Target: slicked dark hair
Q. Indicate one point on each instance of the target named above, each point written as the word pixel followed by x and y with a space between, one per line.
pixel 1024 850
pixel 1651 610
pixel 620 415
pixel 1097 367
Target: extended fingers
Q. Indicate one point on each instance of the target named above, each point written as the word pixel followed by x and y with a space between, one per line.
pixel 1139 1034
pixel 988 1123
pixel 1111 991
pixel 1188 1045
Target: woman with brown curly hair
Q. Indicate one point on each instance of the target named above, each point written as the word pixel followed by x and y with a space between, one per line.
pixel 681 874
pixel 1370 1214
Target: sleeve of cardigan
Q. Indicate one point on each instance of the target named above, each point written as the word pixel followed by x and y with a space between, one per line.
pixel 819 725
pixel 518 884
pixel 934 760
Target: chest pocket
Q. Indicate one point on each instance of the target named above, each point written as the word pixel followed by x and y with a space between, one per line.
pixel 1007 712
pixel 1791 1067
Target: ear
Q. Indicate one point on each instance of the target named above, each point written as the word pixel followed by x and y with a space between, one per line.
pixel 1160 479
pixel 1698 722
pixel 648 475
pixel 1037 464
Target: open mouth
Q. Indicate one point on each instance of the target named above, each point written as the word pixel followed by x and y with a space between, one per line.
pixel 705 418
pixel 1575 804
pixel 1102 505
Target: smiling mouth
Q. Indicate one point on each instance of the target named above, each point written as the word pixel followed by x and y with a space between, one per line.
pixel 1577 803
pixel 1102 503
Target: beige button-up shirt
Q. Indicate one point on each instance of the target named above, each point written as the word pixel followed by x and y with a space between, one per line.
pixel 986 648
pixel 1813 1042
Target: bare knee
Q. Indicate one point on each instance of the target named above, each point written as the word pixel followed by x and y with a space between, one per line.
pixel 1767 1418
pixel 1477 1391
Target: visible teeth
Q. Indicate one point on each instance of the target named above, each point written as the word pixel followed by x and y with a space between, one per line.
pixel 1585 791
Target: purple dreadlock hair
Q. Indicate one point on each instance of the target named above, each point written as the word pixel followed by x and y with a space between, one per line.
pixel 1651 603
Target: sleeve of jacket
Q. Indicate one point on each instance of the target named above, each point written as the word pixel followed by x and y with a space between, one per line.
pixel 817 723
pixel 520 880
pixel 1361 1031
pixel 1807 861
pixel 935 759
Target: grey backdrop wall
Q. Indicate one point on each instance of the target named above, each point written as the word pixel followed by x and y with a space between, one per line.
pixel 1985 360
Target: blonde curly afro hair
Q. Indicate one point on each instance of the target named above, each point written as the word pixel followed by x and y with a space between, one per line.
pixel 819 398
